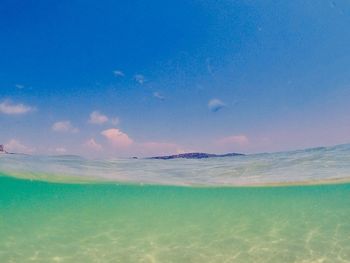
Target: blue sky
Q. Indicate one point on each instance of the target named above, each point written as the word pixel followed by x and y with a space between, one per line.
pixel 122 78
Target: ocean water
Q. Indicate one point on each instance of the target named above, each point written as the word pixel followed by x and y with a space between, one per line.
pixel 281 207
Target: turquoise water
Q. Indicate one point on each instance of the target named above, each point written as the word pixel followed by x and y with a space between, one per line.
pixel 68 209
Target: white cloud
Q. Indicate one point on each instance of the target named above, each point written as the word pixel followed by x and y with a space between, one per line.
pixel 118 73
pixel 158 95
pixel 64 126
pixel 215 105
pixel 117 137
pixel 98 118
pixel 7 107
pixel 19 86
pixel 17 147
pixel 139 78
pixel 234 139
pixel 209 66
pixel 93 145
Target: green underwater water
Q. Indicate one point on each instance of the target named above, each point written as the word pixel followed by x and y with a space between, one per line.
pixel 57 222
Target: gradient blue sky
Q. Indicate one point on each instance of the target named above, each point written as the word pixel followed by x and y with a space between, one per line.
pixel 171 76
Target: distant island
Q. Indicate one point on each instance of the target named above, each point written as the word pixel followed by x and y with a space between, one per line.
pixel 195 156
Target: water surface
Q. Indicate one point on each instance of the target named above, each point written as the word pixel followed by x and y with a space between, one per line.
pixel 69 209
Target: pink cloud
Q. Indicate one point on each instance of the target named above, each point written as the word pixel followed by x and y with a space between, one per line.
pixel 117 137
pixel 234 139
pixel 93 145
pixel 159 148
pixel 61 150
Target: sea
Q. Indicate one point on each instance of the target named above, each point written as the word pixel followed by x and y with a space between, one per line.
pixel 270 207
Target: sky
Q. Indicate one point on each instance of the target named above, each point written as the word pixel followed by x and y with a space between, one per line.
pixel 143 78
